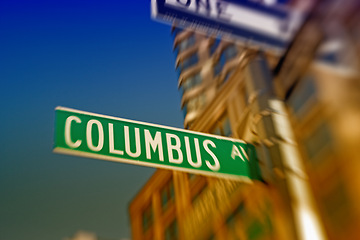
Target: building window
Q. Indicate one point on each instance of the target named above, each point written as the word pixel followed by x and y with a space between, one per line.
pixel 222 127
pixel 227 76
pixel 336 51
pixel 192 177
pixel 167 194
pixel 239 211
pixel 318 141
pixel 337 205
pixel 196 196
pixel 186 43
pixel 189 62
pixel 257 229
pixel 176 31
pixel 219 65
pixel 147 217
pixel 329 50
pixel 192 82
pixel 302 96
pixel 252 226
pixel 231 221
pixel 214 46
pixel 230 52
pixel 227 54
pixel 212 237
pixel 196 103
pixel 171 232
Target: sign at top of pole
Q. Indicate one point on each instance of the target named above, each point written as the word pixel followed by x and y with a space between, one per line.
pixel 268 25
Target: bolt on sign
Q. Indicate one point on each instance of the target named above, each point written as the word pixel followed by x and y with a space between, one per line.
pixel 115 139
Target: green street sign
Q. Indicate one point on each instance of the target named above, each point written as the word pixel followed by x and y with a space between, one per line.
pixel 115 139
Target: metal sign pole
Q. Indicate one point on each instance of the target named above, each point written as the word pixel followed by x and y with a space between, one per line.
pixel 276 137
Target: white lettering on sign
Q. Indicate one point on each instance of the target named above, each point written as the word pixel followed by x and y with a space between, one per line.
pixel 196 164
pixel 216 165
pixel 235 152
pixel 68 140
pixel 151 142
pixel 137 142
pixel 235 14
pixel 89 135
pixel 115 139
pixel 213 8
pixel 175 147
pixel 111 141
pixel 154 143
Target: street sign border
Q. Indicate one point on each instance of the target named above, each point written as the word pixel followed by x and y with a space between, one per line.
pixel 80 153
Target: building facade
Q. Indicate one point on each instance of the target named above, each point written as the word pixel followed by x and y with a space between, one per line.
pixel 319 79
pixel 177 205
pixel 309 172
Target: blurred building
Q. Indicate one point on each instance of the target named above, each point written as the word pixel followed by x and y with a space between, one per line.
pixel 317 80
pixel 176 205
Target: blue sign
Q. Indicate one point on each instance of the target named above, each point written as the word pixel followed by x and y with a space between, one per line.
pixel 270 26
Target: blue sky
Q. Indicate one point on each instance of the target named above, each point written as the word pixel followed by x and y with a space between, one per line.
pixel 105 57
